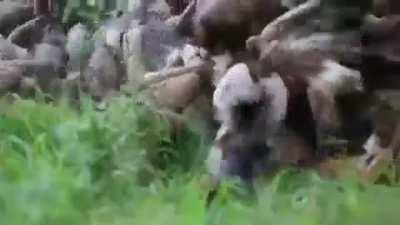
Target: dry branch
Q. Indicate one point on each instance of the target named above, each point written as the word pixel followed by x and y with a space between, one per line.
pixel 159 76
pixel 25 31
pixel 24 63
pixel 27 66
pixel 184 20
pixel 280 24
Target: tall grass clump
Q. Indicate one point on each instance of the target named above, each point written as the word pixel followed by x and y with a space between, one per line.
pixel 125 166
pixel 57 163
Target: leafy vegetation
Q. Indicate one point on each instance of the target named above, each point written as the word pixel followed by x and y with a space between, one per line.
pixel 75 11
pixel 123 166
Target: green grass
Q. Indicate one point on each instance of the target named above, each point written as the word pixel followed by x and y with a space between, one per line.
pixel 123 166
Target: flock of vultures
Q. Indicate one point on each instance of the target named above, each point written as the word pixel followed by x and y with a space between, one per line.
pixel 300 83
